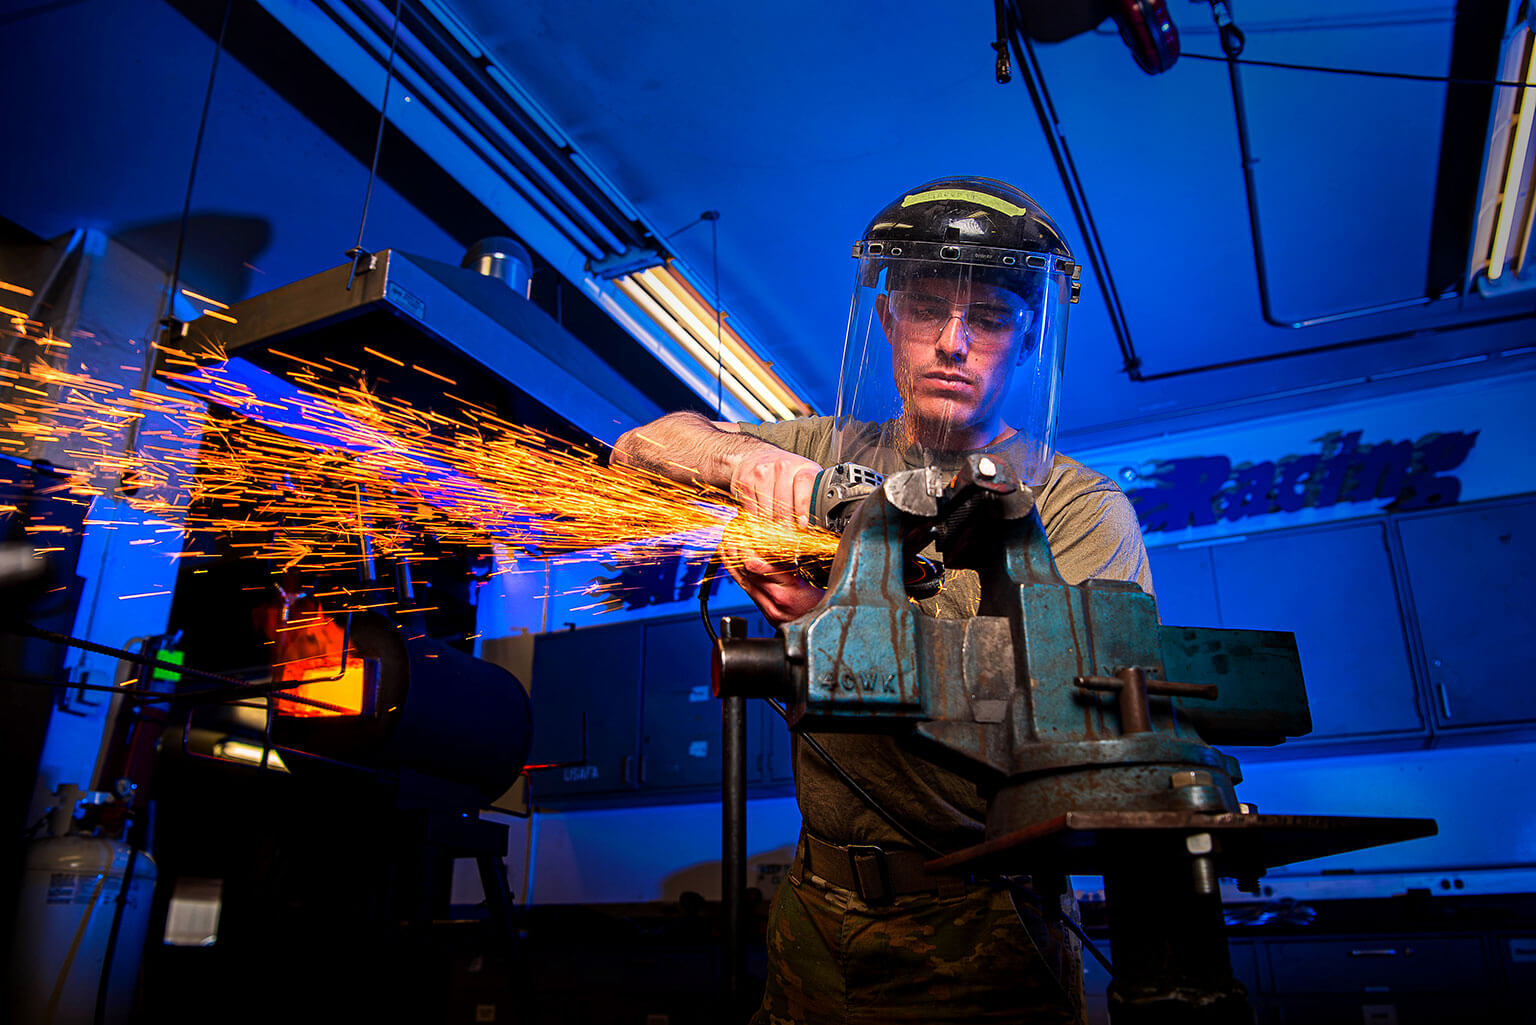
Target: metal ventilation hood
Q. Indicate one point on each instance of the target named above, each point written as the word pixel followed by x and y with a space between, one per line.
pixel 439 328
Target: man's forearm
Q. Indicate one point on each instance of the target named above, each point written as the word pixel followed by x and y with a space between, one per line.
pixel 685 447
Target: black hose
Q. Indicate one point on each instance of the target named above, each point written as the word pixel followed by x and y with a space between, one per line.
pixel 117 923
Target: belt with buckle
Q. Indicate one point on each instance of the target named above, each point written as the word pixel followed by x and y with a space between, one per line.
pixel 875 873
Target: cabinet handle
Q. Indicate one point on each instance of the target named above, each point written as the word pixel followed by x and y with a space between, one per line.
pixel 1445 700
pixel 644 764
pixel 629 768
pixel 1374 952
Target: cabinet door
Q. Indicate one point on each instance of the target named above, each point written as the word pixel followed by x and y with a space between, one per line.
pixel 680 741
pixel 1185 585
pixel 1470 572
pixel 1334 588
pixel 588 681
pixel 681 735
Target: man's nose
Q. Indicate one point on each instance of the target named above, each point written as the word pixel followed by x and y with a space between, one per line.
pixel 954 341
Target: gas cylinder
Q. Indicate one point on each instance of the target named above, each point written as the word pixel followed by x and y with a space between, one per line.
pixel 64 922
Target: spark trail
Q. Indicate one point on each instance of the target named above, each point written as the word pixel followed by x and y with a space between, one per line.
pixel 305 475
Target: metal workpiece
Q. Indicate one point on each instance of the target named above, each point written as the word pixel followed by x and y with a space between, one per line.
pixel 1262 699
pixel 915 492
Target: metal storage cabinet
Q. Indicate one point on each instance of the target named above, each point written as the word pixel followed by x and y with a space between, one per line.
pixel 1470 574
pixel 653 727
pixel 596 673
pixel 1185 583
pixel 680 739
pixel 1334 587
pixel 1401 979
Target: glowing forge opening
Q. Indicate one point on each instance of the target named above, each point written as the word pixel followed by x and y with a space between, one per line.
pixel 309 652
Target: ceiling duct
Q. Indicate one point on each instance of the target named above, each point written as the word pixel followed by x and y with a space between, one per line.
pixel 421 329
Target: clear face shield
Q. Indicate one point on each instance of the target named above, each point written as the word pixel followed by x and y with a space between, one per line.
pixel 953 349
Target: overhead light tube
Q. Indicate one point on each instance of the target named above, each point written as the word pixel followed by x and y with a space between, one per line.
pixel 664 291
pixel 734 343
pixel 1514 171
pixel 690 345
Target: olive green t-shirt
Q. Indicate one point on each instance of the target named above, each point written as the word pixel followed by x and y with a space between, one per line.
pixel 1093 534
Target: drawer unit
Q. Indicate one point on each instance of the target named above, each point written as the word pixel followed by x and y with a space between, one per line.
pixel 1379 965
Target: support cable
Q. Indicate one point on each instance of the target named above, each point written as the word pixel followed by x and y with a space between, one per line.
pixel 197 152
pixel 713 217
pixel 357 253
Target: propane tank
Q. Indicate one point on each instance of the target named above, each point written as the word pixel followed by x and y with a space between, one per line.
pixel 65 919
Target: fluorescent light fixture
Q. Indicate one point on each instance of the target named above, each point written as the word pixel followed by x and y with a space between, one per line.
pixel 691 348
pixel 716 348
pixel 1516 167
pixel 1502 236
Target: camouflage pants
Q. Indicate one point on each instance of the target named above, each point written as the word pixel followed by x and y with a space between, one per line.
pixel 834 959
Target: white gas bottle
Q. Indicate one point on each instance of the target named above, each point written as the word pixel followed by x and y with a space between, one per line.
pixel 69 897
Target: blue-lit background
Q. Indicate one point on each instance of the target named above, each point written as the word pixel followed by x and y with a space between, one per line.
pixel 796 121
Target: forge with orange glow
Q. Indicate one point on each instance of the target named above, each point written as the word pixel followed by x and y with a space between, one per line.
pixel 332 678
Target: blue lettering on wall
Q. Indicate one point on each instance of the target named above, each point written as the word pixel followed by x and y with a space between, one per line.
pixel 1200 491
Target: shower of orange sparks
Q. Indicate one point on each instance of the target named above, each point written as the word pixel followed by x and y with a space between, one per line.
pixel 360 466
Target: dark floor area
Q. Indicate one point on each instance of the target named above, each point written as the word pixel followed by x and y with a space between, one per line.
pixel 572 965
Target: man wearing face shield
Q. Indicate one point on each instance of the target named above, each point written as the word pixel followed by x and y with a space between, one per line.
pixel 955 346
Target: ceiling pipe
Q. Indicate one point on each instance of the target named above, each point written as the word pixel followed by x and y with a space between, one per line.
pixel 1098 260
pixel 1353 343
pixel 545 160
pixel 1232 43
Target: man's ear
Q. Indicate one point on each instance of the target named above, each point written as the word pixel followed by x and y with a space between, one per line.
pixel 883 312
pixel 1027 344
